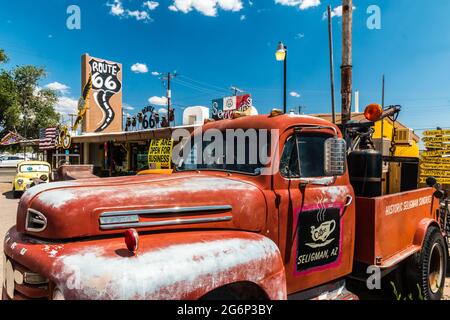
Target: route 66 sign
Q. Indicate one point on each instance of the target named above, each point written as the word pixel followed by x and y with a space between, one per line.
pixel 104 113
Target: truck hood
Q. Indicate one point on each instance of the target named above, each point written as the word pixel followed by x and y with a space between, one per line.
pixel 94 207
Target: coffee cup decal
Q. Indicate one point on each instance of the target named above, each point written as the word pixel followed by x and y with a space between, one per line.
pixel 321 234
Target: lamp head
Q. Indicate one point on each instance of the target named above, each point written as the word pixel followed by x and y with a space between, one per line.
pixel 280 54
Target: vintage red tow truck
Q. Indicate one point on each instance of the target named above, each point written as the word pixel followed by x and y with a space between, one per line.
pixel 229 232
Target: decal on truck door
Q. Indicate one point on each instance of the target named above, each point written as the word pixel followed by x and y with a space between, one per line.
pixel 318 238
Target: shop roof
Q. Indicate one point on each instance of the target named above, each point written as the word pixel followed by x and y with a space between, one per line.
pixel 129 136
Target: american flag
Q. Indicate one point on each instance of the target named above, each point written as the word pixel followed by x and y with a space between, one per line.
pixel 47 138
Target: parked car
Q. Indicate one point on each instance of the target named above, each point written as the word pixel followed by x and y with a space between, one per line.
pixel 30 173
pixel 11 161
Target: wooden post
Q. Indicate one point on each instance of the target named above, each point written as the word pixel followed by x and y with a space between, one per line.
pixel 346 68
pixel 330 45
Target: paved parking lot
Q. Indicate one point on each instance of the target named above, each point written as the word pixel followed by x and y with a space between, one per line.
pixel 8 207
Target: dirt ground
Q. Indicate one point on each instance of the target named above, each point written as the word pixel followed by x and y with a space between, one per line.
pixel 8 207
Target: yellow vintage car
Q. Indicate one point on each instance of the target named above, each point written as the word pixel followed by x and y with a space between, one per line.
pixel 30 173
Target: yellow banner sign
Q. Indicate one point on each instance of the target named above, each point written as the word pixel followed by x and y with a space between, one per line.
pixel 432 166
pixel 435 173
pixel 436 153
pixel 434 160
pixel 439 180
pixel 160 154
pixel 436 132
pixel 436 139
pixel 433 145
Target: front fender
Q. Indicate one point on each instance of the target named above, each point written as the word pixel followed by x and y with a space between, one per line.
pixel 183 265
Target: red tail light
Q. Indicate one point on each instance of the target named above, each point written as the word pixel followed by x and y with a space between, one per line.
pixel 132 240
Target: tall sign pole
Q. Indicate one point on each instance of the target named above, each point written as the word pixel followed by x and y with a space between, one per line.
pixel 346 68
pixel 330 45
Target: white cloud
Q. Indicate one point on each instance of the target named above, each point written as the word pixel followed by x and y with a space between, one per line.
pixel 301 4
pixel 117 9
pixel 139 15
pixel 62 88
pixel 139 68
pixel 162 110
pixel 151 5
pixel 295 94
pixel 243 17
pixel 127 107
pixel 159 101
pixel 66 106
pixel 155 73
pixel 336 12
pixel 299 36
pixel 206 7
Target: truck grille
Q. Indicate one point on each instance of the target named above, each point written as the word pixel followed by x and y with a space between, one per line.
pixel 15 286
pixel 132 218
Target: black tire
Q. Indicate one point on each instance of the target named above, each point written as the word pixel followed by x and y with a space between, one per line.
pixel 427 268
pixel 17 194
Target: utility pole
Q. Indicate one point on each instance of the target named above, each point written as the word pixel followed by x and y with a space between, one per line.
pixel 236 90
pixel 330 45
pixel 382 105
pixel 169 76
pixel 300 109
pixel 346 68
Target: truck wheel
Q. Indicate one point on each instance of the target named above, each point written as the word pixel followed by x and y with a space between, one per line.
pixel 427 268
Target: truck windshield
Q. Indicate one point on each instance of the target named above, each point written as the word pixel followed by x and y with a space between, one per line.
pixel 246 153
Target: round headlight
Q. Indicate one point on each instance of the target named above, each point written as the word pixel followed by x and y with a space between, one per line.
pixel 19 181
pixel 57 295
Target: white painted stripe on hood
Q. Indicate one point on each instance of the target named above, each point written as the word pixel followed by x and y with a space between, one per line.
pixel 101 277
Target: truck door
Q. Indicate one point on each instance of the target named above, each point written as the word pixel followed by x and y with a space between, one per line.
pixel 316 215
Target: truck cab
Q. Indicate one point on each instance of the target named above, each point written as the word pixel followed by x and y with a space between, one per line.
pixel 286 224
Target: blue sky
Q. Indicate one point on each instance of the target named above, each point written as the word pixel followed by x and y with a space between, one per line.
pixel 214 44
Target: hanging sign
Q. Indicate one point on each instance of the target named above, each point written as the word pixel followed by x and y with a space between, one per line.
pixel 435 161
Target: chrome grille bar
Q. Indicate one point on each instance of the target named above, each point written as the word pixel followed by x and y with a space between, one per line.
pixel 165 223
pixel 173 210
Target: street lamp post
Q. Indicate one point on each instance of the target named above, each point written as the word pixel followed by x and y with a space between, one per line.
pixel 281 55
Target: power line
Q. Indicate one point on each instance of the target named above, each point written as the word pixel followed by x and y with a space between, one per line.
pixel 204 84
pixel 197 88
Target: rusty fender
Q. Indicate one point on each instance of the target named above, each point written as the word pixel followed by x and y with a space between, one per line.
pixel 183 265
pixel 422 228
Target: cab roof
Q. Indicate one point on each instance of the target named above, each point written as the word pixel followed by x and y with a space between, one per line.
pixel 281 122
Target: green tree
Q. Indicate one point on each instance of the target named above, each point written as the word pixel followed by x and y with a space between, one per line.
pixel 35 106
pixel 24 106
pixel 9 110
pixel 3 56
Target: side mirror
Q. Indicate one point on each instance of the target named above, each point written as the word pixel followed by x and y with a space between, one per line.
pixel 431 181
pixel 335 157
